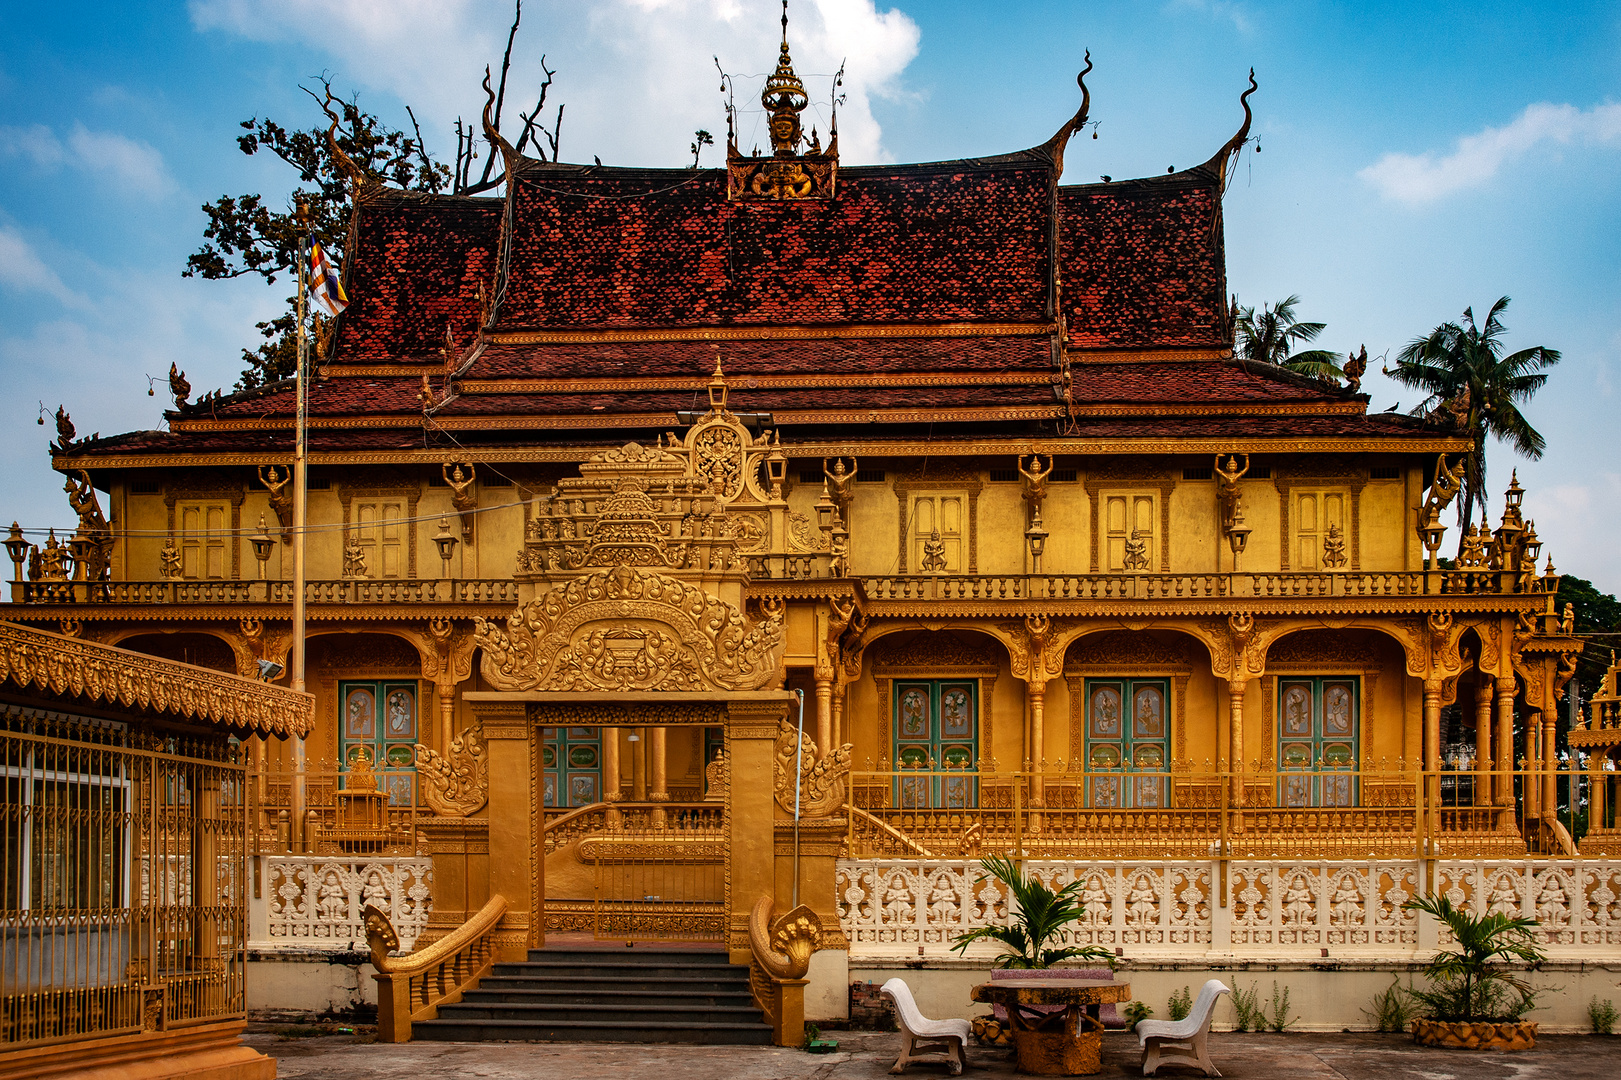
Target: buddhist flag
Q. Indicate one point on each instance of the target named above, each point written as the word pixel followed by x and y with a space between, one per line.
pixel 325 287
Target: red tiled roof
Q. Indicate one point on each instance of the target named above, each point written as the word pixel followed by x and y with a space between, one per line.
pixel 416 264
pixel 835 356
pixel 1143 263
pixel 950 241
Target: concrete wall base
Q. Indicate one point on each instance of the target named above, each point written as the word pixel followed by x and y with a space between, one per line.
pixel 302 986
pixel 1325 995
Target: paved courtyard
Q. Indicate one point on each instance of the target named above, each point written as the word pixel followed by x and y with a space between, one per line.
pixel 868 1055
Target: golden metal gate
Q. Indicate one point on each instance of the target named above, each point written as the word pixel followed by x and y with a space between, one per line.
pixel 660 872
pixel 121 883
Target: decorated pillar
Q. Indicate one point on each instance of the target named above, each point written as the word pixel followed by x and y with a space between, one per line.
pixel 516 863
pixel 1432 724
pixel 1505 738
pixel 824 710
pixel 1483 740
pixel 1235 710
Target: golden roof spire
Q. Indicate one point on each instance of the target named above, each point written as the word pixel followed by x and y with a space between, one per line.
pixel 784 98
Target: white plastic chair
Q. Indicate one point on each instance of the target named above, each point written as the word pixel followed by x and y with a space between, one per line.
pixel 920 1035
pixel 1182 1042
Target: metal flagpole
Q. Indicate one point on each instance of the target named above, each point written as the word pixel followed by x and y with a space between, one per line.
pixel 300 503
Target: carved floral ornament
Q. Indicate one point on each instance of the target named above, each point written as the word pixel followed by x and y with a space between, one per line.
pixel 457 783
pixel 64 665
pixel 627 629
pixel 821 783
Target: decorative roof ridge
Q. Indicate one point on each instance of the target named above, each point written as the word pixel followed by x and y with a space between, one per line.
pixel 1283 375
pixel 1053 148
pixel 1218 160
pixel 207 403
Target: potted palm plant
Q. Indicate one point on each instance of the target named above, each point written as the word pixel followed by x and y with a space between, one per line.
pixel 1476 1000
pixel 1032 940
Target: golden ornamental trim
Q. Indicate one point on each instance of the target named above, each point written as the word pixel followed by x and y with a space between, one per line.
pixel 753 382
pixel 809 449
pixel 626 629
pixel 103 673
pixel 773 333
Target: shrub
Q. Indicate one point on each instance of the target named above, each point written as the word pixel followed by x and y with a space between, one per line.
pixel 1039 916
pixel 1393 1009
pixel 1280 1017
pixel 1473 980
pixel 1136 1012
pixel 1602 1015
pixel 1247 1012
pixel 1180 1005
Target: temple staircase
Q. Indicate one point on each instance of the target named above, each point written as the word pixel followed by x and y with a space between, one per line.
pixel 601 994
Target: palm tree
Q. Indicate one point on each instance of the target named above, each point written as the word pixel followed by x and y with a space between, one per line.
pixel 1462 367
pixel 1271 336
pixel 1039 916
pixel 1468 982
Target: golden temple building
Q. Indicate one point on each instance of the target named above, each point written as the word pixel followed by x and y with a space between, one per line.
pixel 620 477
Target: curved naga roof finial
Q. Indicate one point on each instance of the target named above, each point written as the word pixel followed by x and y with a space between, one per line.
pixel 509 156
pixel 1055 145
pixel 1236 143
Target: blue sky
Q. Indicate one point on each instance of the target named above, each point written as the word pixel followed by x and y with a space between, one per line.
pixel 1415 159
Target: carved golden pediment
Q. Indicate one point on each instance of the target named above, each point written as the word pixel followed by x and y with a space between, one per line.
pixel 457 783
pixel 936 651
pixel 627 629
pixel 1125 649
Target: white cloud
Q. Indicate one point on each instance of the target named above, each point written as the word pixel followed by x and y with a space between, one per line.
pixel 637 75
pixel 1421 178
pixel 125 163
pixel 1237 14
pixel 22 270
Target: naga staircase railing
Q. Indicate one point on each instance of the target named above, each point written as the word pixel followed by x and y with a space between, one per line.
pixel 411 988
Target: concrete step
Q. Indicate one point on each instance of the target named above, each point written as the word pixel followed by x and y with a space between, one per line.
pixel 545 1012
pixel 538 992
pixel 652 970
pixel 626 1031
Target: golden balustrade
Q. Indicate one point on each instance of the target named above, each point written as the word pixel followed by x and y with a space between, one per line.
pixel 1384 810
pixel 501 592
pixel 1140 587
pixel 411 988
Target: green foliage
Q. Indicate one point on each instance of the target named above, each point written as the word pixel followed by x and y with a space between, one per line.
pixel 1460 362
pixel 1271 336
pixel 1474 981
pixel 246 237
pixel 1280 1018
pixel 1039 916
pixel 1180 1005
pixel 1393 1009
pixel 1602 1016
pixel 1136 1012
pixel 1248 1015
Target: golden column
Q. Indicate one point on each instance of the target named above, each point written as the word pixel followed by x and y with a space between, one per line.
pixel 1505 738
pixel 1483 740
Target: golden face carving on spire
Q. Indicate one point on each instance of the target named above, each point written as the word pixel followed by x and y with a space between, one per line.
pixel 787 173
pixel 784 98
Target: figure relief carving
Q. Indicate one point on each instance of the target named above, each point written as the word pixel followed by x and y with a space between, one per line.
pixel 457 783
pixel 717 456
pixel 278 482
pixel 821 783
pixel 934 553
pixel 1136 557
pixel 1334 555
pixel 627 629
pixel 92 525
pixel 170 561
pixel 1035 484
pixel 354 558
pixel 462 497
pixel 717 779
pixel 840 483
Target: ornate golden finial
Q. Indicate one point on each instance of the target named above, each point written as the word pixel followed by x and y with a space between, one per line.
pixel 717 387
pixel 784 98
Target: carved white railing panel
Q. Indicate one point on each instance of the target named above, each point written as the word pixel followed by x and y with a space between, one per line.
pixel 1285 906
pixel 1276 908
pixel 890 908
pixel 1576 902
pixel 310 902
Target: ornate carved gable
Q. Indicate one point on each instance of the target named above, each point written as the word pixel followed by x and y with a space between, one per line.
pixel 1323 647
pixel 1124 649
pixel 628 629
pixel 935 651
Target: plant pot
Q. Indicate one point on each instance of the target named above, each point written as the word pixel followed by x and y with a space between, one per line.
pixel 1476 1035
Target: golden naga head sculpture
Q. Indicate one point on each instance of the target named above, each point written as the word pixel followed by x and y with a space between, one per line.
pixel 783 946
pixel 784 98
